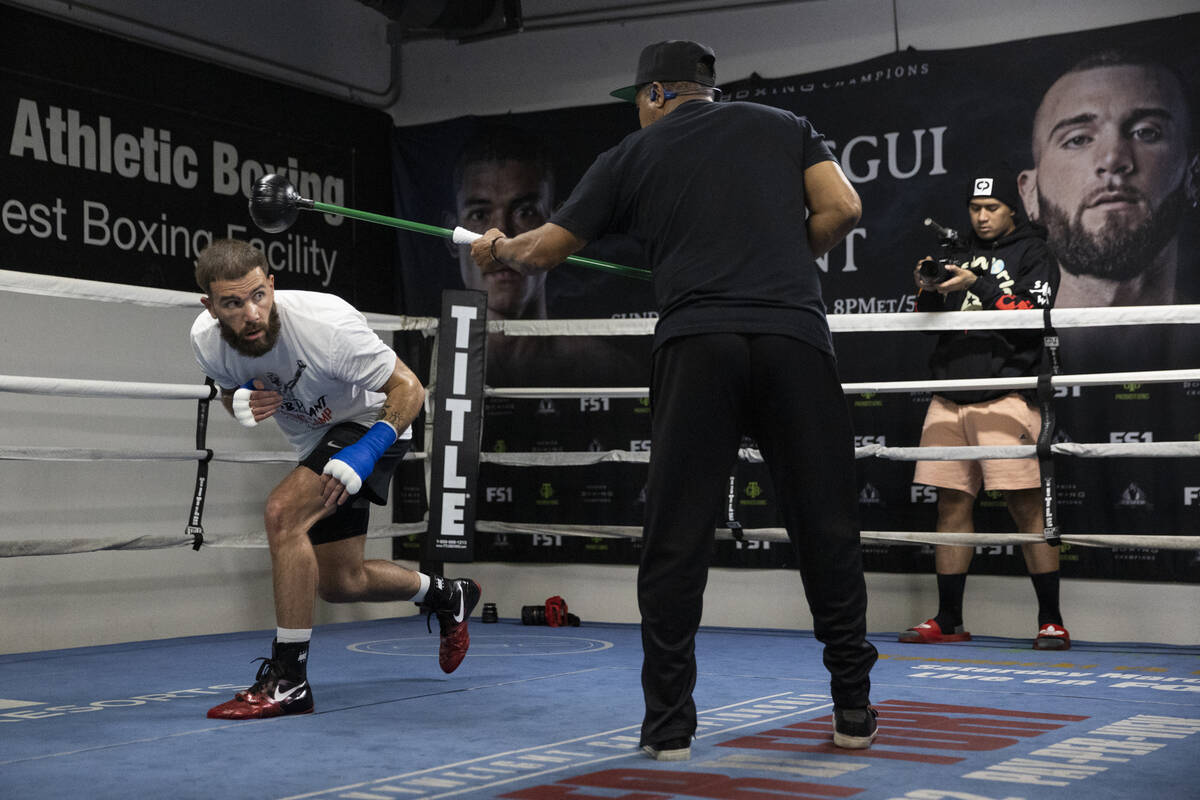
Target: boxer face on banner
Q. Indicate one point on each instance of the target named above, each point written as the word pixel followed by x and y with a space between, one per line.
pixel 1111 156
pixel 514 196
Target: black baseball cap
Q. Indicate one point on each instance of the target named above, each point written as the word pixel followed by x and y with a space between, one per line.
pixel 674 60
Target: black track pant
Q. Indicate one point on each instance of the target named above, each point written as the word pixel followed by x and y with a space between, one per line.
pixel 706 391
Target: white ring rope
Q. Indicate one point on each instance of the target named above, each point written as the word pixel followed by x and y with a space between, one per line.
pixel 30 283
pixel 1164 542
pixel 44 547
pixel 1031 319
pixel 77 289
pixel 10 453
pixel 76 387
pixel 886 387
pixel 1184 449
pixel 53 286
pixel 258 540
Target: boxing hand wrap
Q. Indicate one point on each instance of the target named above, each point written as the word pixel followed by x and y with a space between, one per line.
pixel 355 462
pixel 241 404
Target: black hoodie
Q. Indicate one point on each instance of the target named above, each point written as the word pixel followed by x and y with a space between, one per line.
pixel 1016 271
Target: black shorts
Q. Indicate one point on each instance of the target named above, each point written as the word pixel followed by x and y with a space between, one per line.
pixel 352 517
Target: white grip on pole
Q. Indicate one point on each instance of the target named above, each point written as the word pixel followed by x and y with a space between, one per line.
pixel 464 236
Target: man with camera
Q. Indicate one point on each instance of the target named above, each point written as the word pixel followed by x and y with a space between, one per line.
pixel 1005 264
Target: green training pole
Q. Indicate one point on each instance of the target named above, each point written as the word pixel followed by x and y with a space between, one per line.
pixel 446 233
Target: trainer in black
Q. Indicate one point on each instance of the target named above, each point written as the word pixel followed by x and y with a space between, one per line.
pixel 854 728
pixel 678 749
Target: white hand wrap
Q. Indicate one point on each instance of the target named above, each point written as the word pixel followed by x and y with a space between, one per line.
pixel 241 407
pixel 344 474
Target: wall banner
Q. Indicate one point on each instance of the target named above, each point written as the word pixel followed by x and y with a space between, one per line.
pixel 113 176
pixel 908 129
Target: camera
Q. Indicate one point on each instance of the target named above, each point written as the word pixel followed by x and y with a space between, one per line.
pixel 934 269
pixel 951 245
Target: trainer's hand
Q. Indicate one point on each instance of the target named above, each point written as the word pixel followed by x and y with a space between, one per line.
pixel 252 404
pixel 344 473
pixel 481 251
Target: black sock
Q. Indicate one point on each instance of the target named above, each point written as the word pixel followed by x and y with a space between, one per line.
pixel 1045 586
pixel 291 659
pixel 950 601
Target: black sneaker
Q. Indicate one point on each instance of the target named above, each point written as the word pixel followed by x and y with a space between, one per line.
pixel 854 728
pixel 272 695
pixel 678 749
pixel 453 616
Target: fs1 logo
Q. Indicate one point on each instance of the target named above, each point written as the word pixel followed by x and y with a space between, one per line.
pixel 863 441
pixel 918 493
pixel 587 404
pixel 639 445
pixel 1191 495
pixel 499 494
pixel 1127 437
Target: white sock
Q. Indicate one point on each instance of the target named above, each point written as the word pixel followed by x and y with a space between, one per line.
pixel 292 635
pixel 420 595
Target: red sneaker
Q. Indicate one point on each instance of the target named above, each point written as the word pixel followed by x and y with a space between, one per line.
pixel 1052 637
pixel 453 619
pixel 929 632
pixel 272 695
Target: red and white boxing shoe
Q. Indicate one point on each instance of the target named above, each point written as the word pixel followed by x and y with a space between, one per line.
pixel 453 617
pixel 1052 637
pixel 272 695
pixel 929 632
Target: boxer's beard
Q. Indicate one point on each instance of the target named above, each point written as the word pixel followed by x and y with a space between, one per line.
pixel 254 347
pixel 1117 252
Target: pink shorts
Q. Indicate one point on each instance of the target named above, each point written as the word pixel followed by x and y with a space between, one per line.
pixel 1007 420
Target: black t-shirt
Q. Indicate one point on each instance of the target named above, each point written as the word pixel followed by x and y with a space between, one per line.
pixel 715 192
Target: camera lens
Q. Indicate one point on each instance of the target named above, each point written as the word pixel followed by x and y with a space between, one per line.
pixel 533 615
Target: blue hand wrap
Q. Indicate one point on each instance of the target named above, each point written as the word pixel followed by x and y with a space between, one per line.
pixel 362 455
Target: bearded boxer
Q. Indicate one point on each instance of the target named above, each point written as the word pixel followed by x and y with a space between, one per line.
pixel 345 402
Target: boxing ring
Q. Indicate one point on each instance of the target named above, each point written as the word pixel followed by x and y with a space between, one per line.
pixel 542 713
pixel 912 321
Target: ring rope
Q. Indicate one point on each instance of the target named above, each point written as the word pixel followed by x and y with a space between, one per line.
pixel 884 387
pixel 1165 542
pixel 258 540
pixel 79 289
pixel 54 286
pixel 1032 319
pixel 50 547
pixel 22 453
pixel 1183 449
pixel 582 458
pixel 78 387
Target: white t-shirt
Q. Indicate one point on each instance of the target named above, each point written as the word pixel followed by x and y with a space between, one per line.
pixel 326 364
